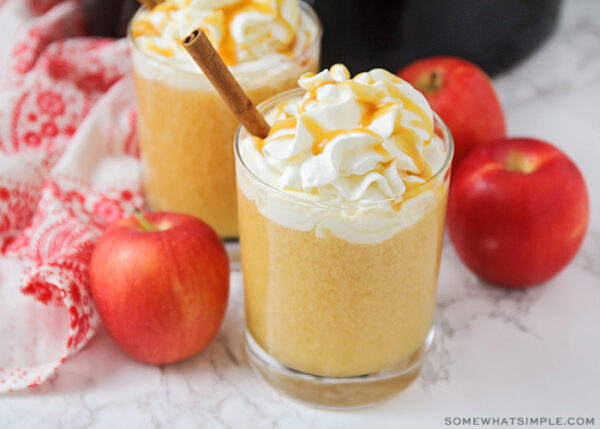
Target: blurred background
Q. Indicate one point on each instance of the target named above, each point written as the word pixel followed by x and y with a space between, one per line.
pixel 363 34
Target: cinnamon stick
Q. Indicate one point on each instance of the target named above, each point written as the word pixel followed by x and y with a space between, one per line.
pixel 205 55
pixel 149 4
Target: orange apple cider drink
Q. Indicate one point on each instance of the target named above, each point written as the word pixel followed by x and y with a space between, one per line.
pixel 184 127
pixel 341 213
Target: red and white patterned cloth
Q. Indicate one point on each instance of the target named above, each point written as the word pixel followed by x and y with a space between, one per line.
pixel 68 166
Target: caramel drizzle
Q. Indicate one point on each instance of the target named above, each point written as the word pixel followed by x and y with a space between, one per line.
pixel 288 123
pixel 322 137
pixel 144 28
pixel 370 99
pixel 228 47
pixel 222 17
pixel 167 52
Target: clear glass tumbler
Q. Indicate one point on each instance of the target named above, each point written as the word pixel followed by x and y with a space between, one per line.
pixel 185 130
pixel 330 322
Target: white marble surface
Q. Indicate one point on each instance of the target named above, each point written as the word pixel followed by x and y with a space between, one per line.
pixel 497 353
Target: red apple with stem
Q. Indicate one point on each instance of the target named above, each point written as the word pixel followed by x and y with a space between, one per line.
pixel 160 283
pixel 518 211
pixel 464 97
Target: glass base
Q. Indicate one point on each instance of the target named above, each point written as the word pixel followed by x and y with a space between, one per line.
pixel 232 247
pixel 334 392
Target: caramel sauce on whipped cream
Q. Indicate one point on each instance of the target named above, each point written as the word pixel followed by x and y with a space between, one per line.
pixel 392 120
pixel 240 30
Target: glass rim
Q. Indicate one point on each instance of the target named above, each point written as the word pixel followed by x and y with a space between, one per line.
pixel 304 7
pixel 297 92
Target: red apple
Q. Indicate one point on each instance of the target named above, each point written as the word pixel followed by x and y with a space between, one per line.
pixel 160 284
pixel 518 211
pixel 464 97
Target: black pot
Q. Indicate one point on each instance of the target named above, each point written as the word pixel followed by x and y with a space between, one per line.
pixel 495 34
pixel 108 18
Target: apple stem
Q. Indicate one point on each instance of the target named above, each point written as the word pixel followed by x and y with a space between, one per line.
pixel 430 82
pixel 437 79
pixel 145 223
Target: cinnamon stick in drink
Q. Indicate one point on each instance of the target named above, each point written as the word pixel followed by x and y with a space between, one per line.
pixel 205 55
pixel 149 4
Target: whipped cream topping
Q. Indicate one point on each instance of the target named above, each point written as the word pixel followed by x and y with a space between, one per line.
pixel 367 141
pixel 248 34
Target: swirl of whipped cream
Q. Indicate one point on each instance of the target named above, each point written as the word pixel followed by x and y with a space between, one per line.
pixel 364 142
pixel 368 138
pixel 242 31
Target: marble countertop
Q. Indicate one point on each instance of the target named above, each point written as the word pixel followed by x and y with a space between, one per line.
pixel 497 353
